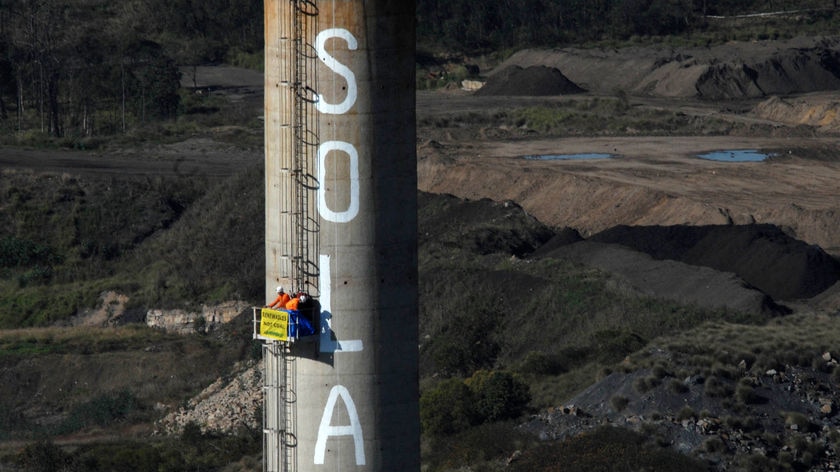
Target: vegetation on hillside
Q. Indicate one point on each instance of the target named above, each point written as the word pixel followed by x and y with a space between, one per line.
pixel 587 116
pixel 165 241
pixel 79 69
pixel 462 25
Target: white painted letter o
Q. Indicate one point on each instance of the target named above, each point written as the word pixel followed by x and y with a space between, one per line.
pixel 353 207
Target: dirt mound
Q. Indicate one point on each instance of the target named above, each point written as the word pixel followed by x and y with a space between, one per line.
pixel 728 71
pixel 534 80
pixel 480 226
pixel 763 255
pixel 686 284
pixel 485 227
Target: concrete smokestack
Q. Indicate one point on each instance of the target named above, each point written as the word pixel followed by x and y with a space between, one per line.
pixel 357 387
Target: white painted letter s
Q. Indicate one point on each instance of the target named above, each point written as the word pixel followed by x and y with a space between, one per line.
pixel 338 68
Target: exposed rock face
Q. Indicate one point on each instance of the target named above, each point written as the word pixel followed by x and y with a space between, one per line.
pixel 184 322
pixel 226 406
pixel 818 111
pixel 111 311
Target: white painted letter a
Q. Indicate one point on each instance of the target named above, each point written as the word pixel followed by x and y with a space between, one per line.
pixel 325 430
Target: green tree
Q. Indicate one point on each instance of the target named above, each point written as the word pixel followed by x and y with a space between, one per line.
pixel 44 456
pixel 152 81
pixel 446 409
pixel 498 395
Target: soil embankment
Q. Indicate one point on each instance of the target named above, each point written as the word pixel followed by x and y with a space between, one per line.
pixel 724 72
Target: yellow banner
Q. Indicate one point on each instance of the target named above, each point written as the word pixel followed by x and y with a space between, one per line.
pixel 274 324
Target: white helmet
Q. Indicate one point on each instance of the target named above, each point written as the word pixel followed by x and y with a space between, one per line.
pixel 279 288
pixel 303 298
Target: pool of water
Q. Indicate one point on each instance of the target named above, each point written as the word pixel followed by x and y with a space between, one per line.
pixel 735 155
pixel 563 157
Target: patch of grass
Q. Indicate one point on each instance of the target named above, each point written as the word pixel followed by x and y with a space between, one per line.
pixel 31 342
pixel 716 387
pixel 249 60
pixel 485 447
pixel 590 117
pixel 791 340
pixel 551 390
pixel 193 451
pixel 606 448
pixel 646 384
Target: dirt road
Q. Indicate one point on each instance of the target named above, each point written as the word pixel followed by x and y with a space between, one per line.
pixel 192 157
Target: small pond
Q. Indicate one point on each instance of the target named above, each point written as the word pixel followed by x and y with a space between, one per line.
pixel 735 155
pixel 563 157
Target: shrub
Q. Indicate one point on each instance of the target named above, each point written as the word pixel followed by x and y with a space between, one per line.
pixel 715 387
pixel 454 405
pixel 746 394
pixel 714 445
pixel 119 457
pixel 798 421
pixel 677 386
pixel 619 402
pixel 743 423
pixel 499 395
pixel 200 325
pixel 478 448
pixel 16 252
pixel 724 371
pixel 539 363
pixel 644 384
pixel 43 456
pixel 447 408
pixel 686 413
pixel 464 341
pixel 99 411
pixel 759 463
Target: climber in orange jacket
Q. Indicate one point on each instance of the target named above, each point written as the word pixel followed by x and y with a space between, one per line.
pixel 295 302
pixel 281 300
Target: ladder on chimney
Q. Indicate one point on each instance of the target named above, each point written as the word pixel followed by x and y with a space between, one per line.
pixel 296 30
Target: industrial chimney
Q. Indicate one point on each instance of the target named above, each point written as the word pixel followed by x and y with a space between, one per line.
pixel 341 225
